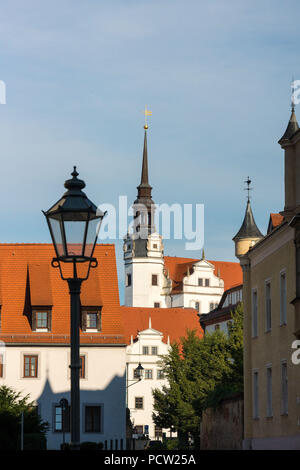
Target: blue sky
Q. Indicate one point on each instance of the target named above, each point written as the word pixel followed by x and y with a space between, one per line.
pixel 215 74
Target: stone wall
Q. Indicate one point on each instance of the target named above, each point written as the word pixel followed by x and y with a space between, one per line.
pixel 223 428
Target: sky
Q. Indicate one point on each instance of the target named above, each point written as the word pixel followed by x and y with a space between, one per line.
pixel 216 76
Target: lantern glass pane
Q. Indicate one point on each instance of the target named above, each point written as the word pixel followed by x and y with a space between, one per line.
pixel 74 237
pixel 92 234
pixel 56 228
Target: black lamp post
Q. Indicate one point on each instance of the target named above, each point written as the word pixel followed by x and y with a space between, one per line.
pixel 74 223
pixel 138 372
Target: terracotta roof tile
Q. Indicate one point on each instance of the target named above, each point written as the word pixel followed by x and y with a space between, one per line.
pixel 25 280
pixel 230 272
pixel 172 322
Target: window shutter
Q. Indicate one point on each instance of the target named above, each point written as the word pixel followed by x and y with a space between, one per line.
pixel 49 320
pixel 83 321
pixel 99 320
pixel 33 320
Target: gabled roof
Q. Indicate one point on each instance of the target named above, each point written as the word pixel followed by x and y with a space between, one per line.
pixel 28 280
pixel 230 272
pixel 172 322
pixel 221 313
pixel 249 228
pixel 274 221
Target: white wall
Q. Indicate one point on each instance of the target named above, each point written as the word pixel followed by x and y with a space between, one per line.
pixel 223 327
pixel 144 388
pixel 103 385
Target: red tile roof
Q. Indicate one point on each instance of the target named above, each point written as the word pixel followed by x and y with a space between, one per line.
pixel 172 322
pixel 27 279
pixel 230 272
pixel 277 219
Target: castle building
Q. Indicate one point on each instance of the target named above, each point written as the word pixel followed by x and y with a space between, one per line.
pixel 271 293
pixel 155 280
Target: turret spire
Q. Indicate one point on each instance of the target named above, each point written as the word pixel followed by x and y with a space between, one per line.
pixel 292 126
pixel 249 233
pixel 144 176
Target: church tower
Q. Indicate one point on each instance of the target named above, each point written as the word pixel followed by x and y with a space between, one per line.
pixel 249 234
pixel 143 248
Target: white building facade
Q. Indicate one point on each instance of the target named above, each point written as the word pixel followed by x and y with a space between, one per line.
pixel 145 350
pixel 42 371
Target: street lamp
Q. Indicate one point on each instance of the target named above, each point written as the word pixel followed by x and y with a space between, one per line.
pixel 74 223
pixel 138 374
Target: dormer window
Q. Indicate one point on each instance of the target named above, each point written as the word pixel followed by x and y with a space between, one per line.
pixel 91 319
pixel 41 320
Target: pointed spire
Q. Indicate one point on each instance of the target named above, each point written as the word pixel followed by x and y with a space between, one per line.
pixel 144 176
pixel 150 322
pixel 168 341
pixel 292 126
pixel 249 228
pixel 203 254
pixel 144 188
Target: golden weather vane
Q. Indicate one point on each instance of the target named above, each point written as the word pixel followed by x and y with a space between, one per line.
pixel 147 113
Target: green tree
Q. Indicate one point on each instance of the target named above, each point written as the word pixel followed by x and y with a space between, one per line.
pixel 200 372
pixel 12 404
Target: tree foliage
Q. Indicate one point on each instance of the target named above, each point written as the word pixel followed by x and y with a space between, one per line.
pixel 12 404
pixel 200 372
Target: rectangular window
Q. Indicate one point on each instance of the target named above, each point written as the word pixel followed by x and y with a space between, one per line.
pixel 145 350
pixel 200 282
pixel 154 350
pixel 217 327
pixel 254 314
pixel 268 306
pixel 148 374
pixel 211 306
pixel 160 374
pixel 282 299
pixel 30 366
pixel 139 429
pixel 139 403
pixel 41 320
pixel 92 418
pixel 197 306
pixel 206 282
pixel 1 365
pixel 156 305
pixel 255 395
pixel 82 369
pixel 61 419
pixel 128 280
pixel 154 279
pixel 91 319
pixel 269 392
pixel 284 389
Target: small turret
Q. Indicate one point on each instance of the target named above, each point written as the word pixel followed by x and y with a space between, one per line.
pixel 249 234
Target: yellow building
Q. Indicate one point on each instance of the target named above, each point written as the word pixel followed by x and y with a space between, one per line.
pixel 271 295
